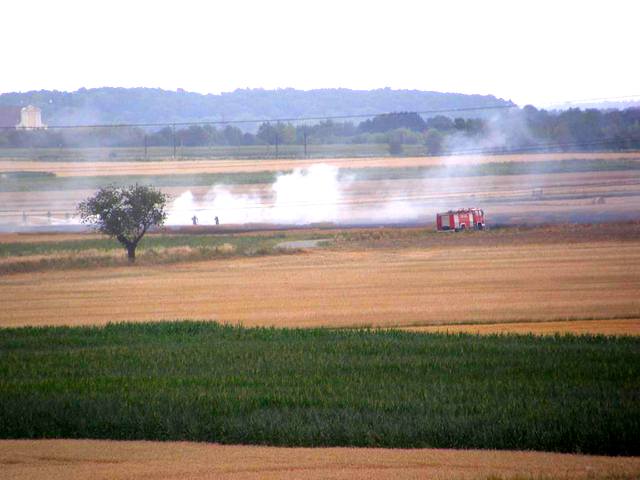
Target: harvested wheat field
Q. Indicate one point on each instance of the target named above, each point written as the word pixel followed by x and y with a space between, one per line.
pixel 343 288
pixel 76 459
pixel 170 167
pixel 630 326
pixel 576 196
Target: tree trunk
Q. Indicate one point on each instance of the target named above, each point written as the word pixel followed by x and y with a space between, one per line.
pixel 130 246
pixel 131 252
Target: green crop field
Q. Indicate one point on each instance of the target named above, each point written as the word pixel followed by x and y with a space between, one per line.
pixel 241 242
pixel 207 382
pixel 41 181
pixel 240 152
pixel 495 168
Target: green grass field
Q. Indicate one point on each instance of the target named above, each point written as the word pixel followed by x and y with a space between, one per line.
pixel 152 250
pixel 206 382
pixel 42 181
pixel 240 152
pixel 242 242
pixel 495 168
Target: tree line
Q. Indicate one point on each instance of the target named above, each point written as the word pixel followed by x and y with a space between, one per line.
pixel 572 129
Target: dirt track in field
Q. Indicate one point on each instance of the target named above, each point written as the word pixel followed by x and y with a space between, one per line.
pixel 171 167
pixel 80 459
pixel 378 288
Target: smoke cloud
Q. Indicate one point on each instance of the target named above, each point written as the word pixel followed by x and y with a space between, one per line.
pixel 318 194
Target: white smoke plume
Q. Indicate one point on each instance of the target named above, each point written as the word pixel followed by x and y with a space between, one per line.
pixel 301 197
pixel 318 194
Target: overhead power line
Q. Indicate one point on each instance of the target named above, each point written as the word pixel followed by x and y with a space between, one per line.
pixel 282 119
pixel 320 117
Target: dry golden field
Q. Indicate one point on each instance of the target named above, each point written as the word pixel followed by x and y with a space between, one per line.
pixel 168 167
pixel 629 326
pixel 442 282
pixel 80 459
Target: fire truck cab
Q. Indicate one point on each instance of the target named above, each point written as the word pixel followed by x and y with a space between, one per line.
pixel 463 219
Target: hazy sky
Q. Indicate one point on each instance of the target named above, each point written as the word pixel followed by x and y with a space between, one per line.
pixel 528 51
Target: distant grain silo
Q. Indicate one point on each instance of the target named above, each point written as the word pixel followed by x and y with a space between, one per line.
pixel 25 118
pixel 31 118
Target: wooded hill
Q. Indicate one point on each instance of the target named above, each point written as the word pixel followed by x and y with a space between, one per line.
pixel 152 105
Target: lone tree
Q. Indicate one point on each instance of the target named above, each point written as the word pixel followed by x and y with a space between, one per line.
pixel 125 213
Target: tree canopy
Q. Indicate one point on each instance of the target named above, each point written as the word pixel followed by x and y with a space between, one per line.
pixel 392 121
pixel 125 213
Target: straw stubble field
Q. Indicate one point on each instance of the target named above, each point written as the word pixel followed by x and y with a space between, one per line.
pixel 79 459
pixel 169 167
pixel 353 286
pixel 532 188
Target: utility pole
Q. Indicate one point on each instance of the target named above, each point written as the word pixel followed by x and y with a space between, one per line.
pixel 145 146
pixel 305 141
pixel 276 145
pixel 173 130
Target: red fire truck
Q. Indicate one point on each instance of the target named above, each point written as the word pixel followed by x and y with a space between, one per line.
pixel 462 219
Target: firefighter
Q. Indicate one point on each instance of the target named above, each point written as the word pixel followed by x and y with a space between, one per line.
pixel 194 219
pixel 217 221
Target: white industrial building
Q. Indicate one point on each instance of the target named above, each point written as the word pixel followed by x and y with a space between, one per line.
pixel 26 118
